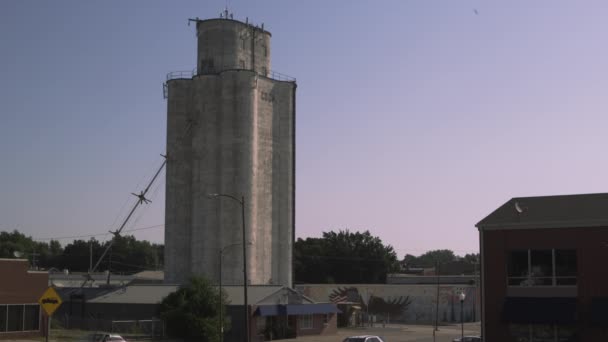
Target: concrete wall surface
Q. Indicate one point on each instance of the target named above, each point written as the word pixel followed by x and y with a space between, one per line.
pixel 400 303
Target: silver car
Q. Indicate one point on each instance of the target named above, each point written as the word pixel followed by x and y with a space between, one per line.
pixel 364 338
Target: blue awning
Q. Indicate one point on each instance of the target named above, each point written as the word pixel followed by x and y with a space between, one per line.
pixel 307 309
pixel 270 310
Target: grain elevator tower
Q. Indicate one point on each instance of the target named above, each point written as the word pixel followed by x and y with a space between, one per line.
pixel 230 130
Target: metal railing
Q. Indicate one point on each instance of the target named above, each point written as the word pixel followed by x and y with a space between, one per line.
pixel 181 74
pixel 542 281
pixel 275 75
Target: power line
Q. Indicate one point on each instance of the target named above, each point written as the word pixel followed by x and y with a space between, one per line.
pixel 94 235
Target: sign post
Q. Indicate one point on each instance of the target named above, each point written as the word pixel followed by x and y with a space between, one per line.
pixel 49 302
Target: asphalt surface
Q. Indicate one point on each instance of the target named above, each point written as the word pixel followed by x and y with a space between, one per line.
pixel 390 333
pixel 399 333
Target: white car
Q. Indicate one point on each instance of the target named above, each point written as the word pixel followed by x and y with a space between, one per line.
pixel 364 338
pixel 102 337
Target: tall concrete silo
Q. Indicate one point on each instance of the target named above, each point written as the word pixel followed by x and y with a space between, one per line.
pixel 230 130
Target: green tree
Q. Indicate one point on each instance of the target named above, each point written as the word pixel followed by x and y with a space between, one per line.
pixel 127 255
pixel 472 258
pixel 438 256
pixel 344 257
pixel 76 255
pixel 40 254
pixel 192 312
pixel 310 262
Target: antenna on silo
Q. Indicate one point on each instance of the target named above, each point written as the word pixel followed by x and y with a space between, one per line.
pixel 226 14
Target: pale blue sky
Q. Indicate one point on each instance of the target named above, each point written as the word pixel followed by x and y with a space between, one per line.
pixel 415 119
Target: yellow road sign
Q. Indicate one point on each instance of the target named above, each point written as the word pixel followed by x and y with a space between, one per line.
pixel 50 301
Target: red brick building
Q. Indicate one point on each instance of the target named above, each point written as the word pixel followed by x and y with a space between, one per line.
pixel 20 290
pixel 543 274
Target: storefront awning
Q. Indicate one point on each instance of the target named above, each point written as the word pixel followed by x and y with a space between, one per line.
pixel 540 310
pixel 599 310
pixel 307 309
pixel 296 309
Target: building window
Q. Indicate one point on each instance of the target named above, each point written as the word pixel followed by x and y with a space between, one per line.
pixel 3 315
pixel 541 332
pixel 19 317
pixel 31 317
pixel 15 318
pixel 264 71
pixel 550 267
pixel 326 319
pixel 565 267
pixel 242 63
pixel 541 270
pixel 518 267
pixel 306 322
pixel 207 65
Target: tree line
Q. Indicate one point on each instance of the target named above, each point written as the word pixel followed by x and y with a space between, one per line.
pixel 336 257
pixel 127 255
pixel 361 258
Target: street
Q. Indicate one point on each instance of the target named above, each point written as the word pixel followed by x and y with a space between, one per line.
pixel 399 333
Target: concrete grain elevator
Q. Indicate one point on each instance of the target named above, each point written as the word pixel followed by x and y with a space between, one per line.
pixel 230 130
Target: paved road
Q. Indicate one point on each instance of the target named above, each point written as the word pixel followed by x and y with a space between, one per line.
pixel 399 333
pixel 392 333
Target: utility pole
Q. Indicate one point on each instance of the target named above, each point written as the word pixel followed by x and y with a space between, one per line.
pixel 437 299
pixel 90 255
pixel 34 255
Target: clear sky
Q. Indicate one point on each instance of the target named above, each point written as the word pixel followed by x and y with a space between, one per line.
pixel 415 119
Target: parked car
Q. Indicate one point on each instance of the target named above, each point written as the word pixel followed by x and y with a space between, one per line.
pixel 468 339
pixel 104 337
pixel 364 338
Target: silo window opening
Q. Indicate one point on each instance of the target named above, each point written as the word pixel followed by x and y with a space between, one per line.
pixel 207 64
pixel 242 64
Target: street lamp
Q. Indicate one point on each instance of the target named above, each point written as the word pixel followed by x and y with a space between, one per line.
pixel 242 203
pixel 462 297
pixel 220 285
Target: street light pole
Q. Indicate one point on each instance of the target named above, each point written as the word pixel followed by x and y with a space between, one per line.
pixel 242 203
pixel 247 332
pixel 220 285
pixel 221 308
pixel 462 297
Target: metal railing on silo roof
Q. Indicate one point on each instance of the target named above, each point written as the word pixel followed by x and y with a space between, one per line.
pixel 174 75
pixel 275 75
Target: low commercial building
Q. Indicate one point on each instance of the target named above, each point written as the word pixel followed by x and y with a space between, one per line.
pixel 20 290
pixel 274 311
pixel 288 314
pixel 542 273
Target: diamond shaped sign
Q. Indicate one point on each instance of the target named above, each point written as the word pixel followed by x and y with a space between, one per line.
pixel 50 301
